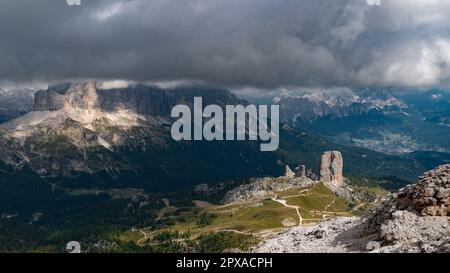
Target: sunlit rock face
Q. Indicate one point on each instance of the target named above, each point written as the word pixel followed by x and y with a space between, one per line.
pixel 141 99
pixel 331 168
pixel 288 173
pixel 80 128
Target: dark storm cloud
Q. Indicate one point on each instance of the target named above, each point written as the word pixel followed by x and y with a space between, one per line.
pixel 261 43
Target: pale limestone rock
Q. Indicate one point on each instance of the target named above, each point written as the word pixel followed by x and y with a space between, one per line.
pixel 288 173
pixel 331 168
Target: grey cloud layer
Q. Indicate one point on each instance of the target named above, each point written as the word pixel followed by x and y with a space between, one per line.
pixel 259 43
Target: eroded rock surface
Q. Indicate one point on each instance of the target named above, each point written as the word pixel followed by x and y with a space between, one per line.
pixel 288 173
pixel 331 168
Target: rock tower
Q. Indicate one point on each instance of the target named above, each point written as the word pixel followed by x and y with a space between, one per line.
pixel 288 173
pixel 331 168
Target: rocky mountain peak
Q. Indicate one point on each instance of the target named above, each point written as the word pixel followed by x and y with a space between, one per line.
pixel 80 128
pixel 331 167
pixel 138 98
pixel 331 170
pixel 306 108
pixel 288 173
pixel 81 95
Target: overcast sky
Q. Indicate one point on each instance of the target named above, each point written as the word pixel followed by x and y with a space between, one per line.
pixel 254 44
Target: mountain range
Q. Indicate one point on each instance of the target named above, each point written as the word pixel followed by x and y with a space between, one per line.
pixel 15 103
pixel 79 135
pixel 100 165
pixel 388 121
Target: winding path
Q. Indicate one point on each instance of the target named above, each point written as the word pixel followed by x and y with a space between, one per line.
pixel 329 205
pixel 284 203
pixel 140 242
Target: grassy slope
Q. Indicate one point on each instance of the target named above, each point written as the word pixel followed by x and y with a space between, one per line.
pixel 258 217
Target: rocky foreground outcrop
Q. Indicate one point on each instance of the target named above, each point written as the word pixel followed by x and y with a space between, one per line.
pixel 415 219
pixel 429 197
pixel 417 214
